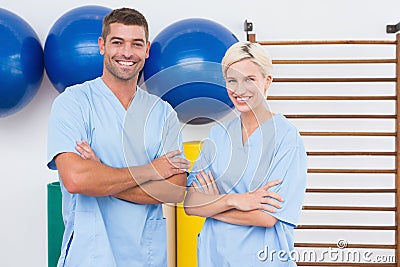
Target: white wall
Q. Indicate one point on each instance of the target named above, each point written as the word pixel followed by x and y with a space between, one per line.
pixel 23 173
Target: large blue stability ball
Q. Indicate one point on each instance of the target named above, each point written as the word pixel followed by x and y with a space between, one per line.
pixel 184 69
pixel 21 63
pixel 71 51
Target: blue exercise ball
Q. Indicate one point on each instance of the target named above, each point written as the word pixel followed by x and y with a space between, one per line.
pixel 71 51
pixel 21 63
pixel 184 69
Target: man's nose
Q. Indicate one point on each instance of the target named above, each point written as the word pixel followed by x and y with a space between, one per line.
pixel 127 50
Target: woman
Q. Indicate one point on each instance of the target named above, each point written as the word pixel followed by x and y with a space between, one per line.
pixel 259 164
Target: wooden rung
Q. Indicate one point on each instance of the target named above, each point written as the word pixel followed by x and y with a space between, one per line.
pixel 350 190
pixel 346 264
pixel 334 61
pixel 349 208
pixel 350 153
pixel 332 245
pixel 351 171
pixel 334 98
pixel 339 116
pixel 329 42
pixel 347 227
pixel 331 80
pixel 348 133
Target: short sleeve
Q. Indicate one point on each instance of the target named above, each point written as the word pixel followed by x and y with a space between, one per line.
pixel 66 126
pixel 171 133
pixel 289 165
pixel 204 160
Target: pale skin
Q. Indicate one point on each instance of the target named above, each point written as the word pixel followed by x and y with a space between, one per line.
pixel 241 209
pixel 162 180
pixel 246 87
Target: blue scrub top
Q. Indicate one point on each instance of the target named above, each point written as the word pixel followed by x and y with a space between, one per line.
pixel 274 151
pixel 106 231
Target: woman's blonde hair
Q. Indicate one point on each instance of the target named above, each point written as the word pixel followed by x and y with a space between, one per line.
pixel 247 50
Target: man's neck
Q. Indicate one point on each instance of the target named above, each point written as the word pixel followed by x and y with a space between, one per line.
pixel 123 90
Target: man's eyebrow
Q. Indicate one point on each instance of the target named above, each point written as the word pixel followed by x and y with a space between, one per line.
pixel 115 38
pixel 139 40
pixel 122 39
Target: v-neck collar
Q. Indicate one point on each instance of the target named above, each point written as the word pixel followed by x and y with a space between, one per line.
pixel 249 142
pixel 113 98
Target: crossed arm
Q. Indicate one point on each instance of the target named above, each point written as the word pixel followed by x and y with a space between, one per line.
pixel 160 181
pixel 242 209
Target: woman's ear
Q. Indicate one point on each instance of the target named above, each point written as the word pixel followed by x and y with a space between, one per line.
pixel 267 82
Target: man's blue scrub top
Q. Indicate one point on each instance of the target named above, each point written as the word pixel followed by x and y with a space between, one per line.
pixel 106 231
pixel 274 151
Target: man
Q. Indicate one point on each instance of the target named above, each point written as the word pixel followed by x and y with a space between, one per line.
pixel 111 209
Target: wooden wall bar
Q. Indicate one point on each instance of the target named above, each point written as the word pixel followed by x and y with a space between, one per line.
pixel 392 155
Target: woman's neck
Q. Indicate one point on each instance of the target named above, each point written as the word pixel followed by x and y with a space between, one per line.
pixel 252 120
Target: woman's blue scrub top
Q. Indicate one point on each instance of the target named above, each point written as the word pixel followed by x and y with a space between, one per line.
pixel 106 231
pixel 273 151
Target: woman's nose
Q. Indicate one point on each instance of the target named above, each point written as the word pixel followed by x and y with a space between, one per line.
pixel 240 89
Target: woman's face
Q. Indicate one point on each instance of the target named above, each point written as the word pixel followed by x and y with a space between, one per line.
pixel 246 85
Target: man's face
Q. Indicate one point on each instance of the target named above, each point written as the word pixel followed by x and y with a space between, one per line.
pixel 125 50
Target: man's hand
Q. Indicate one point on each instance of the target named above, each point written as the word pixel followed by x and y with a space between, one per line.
pixel 167 165
pixel 159 169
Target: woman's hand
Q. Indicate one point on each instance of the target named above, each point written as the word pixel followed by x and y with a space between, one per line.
pixel 207 182
pixel 85 151
pixel 258 198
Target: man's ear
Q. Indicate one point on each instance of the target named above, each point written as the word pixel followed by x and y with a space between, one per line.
pixel 148 49
pixel 100 42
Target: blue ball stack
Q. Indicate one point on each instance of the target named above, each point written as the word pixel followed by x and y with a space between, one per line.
pixel 71 51
pixel 184 69
pixel 21 63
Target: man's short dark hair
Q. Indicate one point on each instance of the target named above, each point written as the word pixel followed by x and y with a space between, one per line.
pixel 126 16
